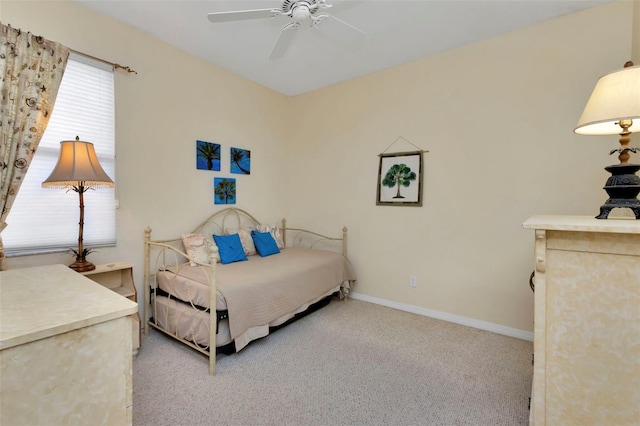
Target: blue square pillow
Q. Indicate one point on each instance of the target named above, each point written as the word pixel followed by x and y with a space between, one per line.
pixel 265 244
pixel 229 248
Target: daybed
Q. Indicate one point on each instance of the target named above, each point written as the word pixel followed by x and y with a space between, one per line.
pixel 186 276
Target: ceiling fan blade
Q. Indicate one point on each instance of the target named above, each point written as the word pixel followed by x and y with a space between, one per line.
pixel 341 5
pixel 340 33
pixel 240 15
pixel 355 29
pixel 284 40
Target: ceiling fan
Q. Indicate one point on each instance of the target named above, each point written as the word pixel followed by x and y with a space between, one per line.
pixel 300 12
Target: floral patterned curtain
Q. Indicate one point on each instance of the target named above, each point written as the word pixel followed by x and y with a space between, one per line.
pixel 31 70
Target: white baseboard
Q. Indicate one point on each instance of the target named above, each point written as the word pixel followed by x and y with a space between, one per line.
pixel 470 322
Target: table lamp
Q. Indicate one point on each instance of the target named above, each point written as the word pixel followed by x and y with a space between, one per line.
pixel 614 108
pixel 78 169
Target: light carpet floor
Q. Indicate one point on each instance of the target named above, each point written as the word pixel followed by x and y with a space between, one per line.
pixel 350 363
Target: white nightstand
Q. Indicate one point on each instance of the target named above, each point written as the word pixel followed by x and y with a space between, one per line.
pixel 118 277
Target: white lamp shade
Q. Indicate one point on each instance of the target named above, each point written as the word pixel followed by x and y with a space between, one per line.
pixel 77 165
pixel 616 97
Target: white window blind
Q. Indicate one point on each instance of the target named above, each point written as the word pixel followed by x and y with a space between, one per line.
pixel 46 219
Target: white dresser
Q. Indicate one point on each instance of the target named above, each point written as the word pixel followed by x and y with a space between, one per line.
pixel 65 349
pixel 587 321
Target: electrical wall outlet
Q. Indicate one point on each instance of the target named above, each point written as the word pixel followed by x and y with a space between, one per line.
pixel 413 281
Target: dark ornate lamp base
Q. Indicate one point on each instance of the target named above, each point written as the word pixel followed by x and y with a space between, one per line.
pixel 82 265
pixel 611 204
pixel 623 188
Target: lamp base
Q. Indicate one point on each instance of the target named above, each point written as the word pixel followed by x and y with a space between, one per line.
pixel 623 188
pixel 82 265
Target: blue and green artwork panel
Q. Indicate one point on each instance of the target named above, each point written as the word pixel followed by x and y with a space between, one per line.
pixel 240 161
pixel 224 191
pixel 207 156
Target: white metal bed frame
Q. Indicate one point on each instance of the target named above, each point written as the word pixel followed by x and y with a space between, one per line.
pixel 217 224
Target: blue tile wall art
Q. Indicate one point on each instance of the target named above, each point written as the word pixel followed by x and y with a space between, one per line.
pixel 240 161
pixel 224 191
pixel 207 156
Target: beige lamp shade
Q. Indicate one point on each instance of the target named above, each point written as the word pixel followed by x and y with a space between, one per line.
pixel 77 165
pixel 616 97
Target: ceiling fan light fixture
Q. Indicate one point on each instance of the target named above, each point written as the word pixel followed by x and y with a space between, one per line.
pixel 301 13
pixel 289 6
pixel 298 11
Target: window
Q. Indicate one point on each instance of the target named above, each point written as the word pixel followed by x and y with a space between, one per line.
pixel 46 219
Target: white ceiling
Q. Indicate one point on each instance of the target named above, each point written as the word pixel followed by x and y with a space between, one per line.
pixel 398 31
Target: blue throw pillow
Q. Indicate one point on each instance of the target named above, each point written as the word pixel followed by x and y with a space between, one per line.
pixel 229 248
pixel 265 244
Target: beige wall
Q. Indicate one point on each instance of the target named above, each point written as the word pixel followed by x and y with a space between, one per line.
pixel 174 100
pixel 635 40
pixel 496 116
pixel 497 119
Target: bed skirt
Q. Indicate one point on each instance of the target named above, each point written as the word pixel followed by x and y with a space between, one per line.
pixel 182 320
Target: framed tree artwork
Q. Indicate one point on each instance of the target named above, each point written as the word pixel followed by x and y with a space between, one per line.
pixel 400 179
pixel 240 161
pixel 224 191
pixel 207 156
